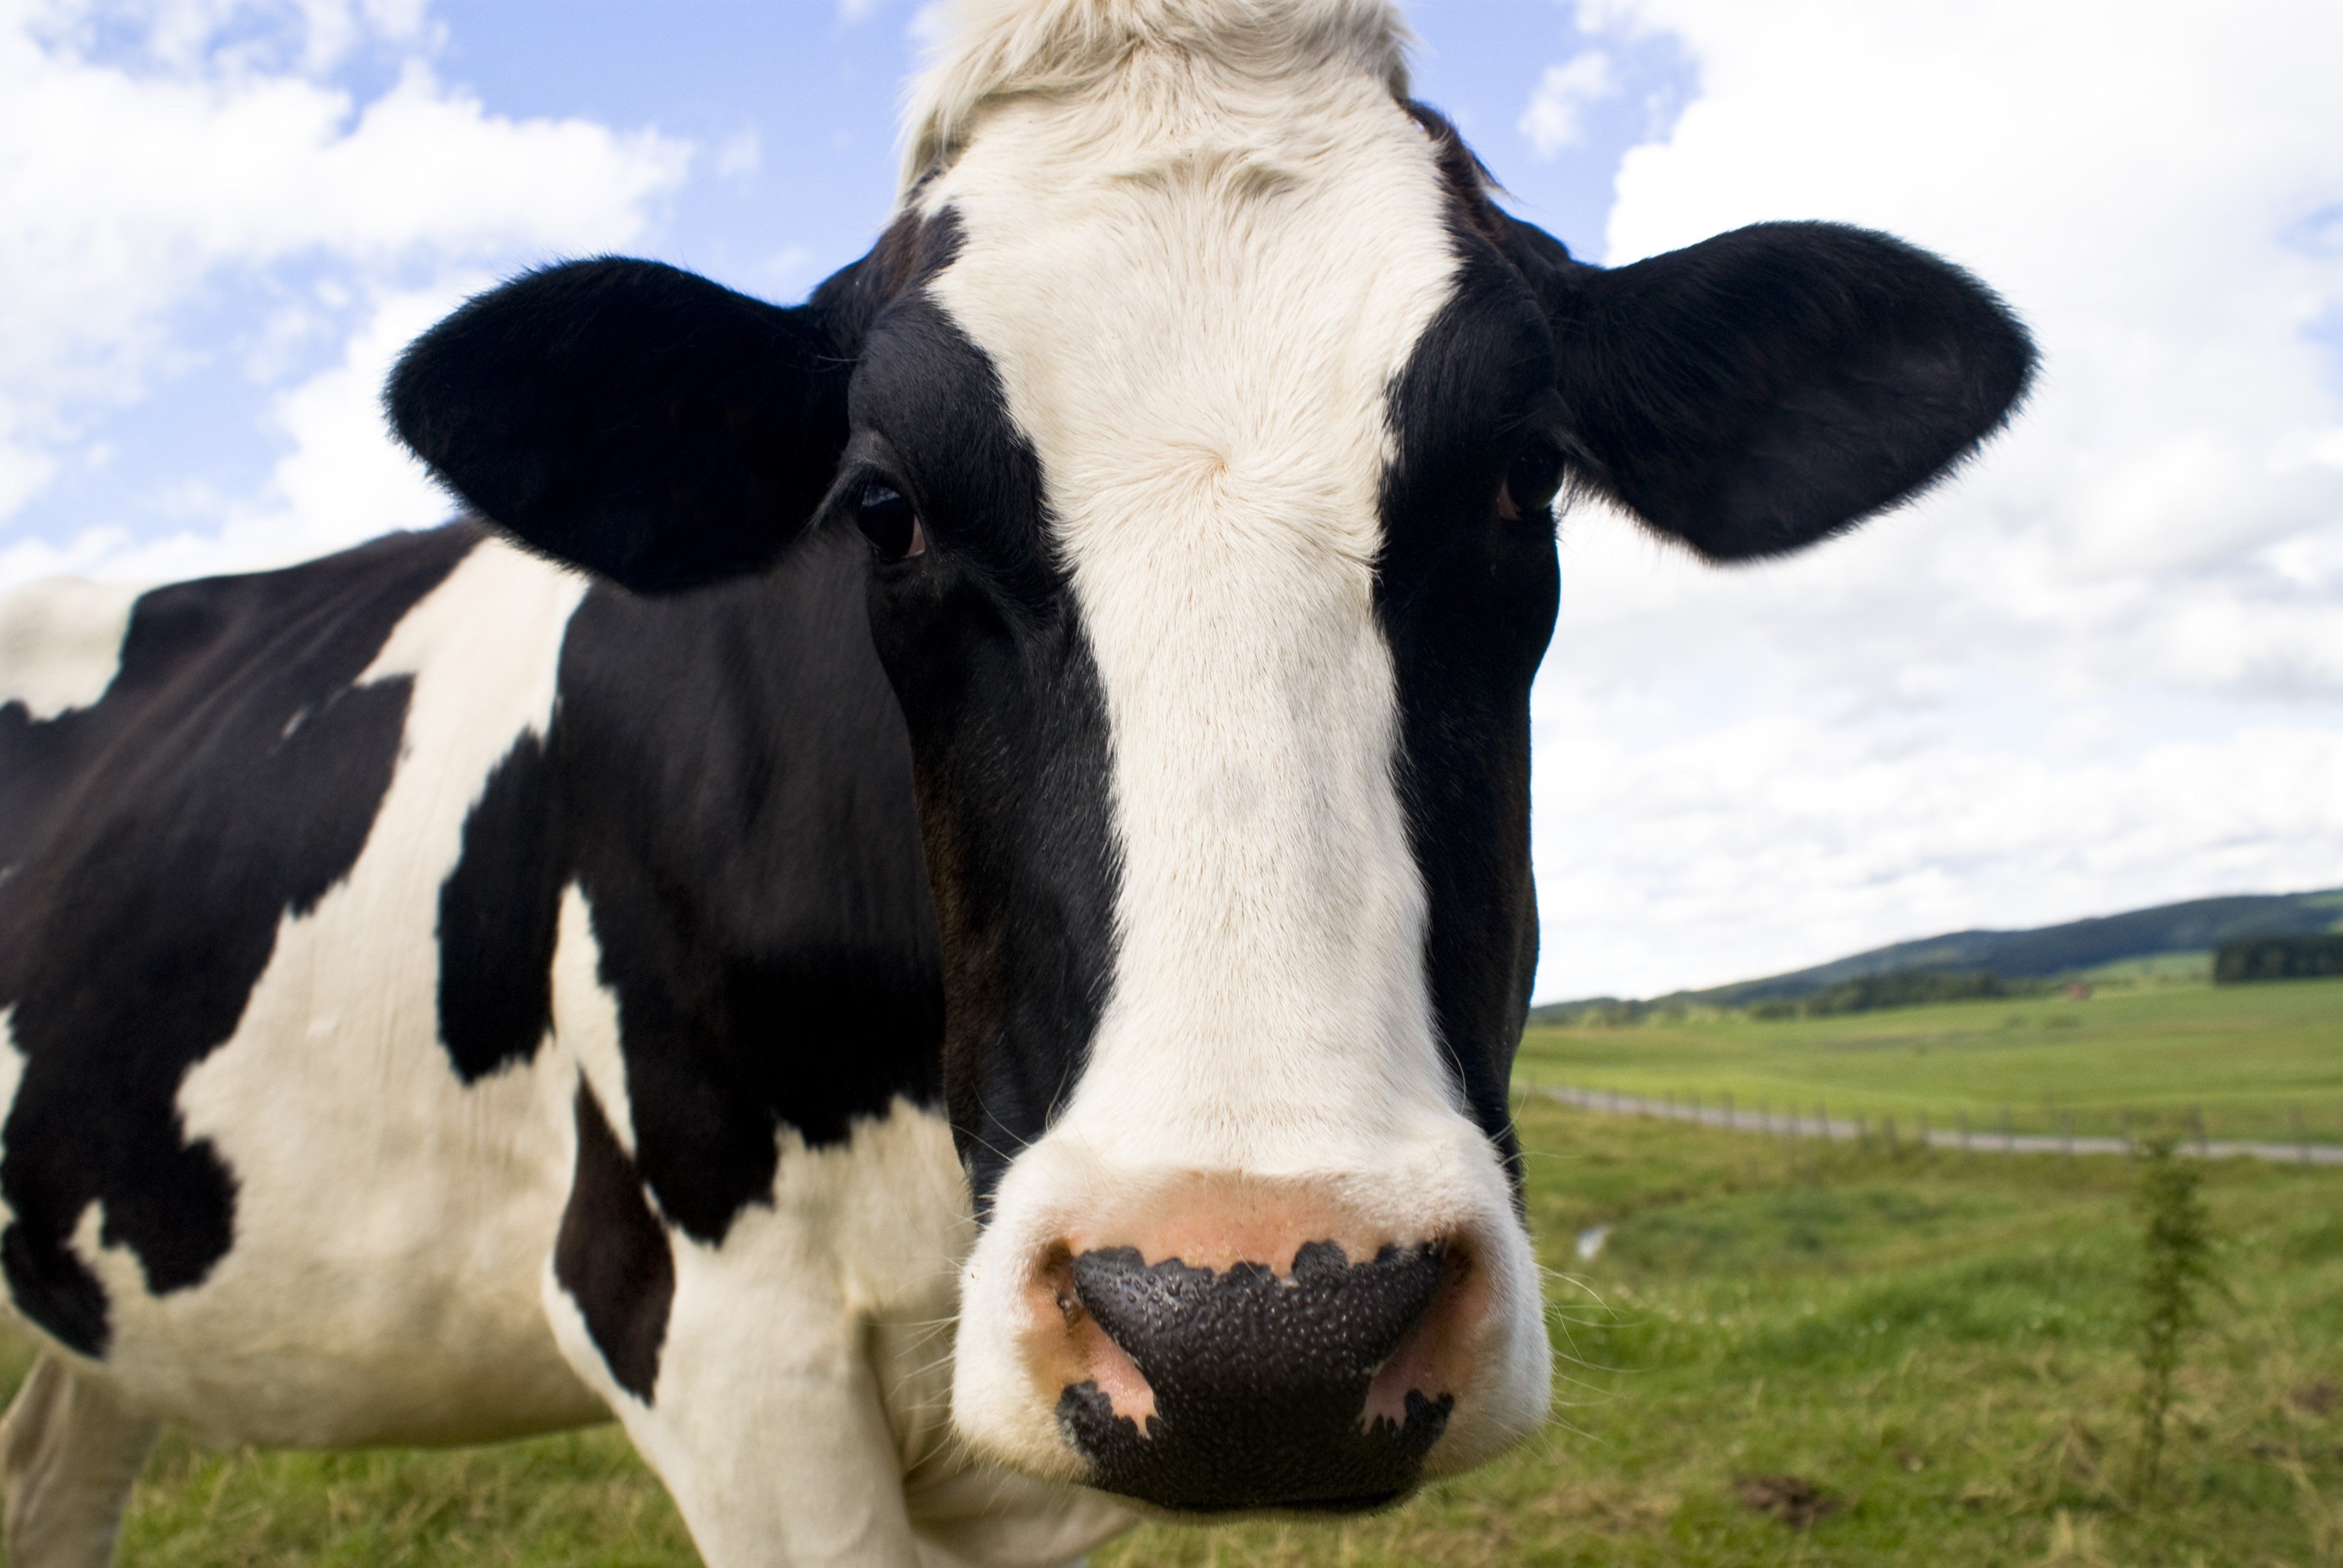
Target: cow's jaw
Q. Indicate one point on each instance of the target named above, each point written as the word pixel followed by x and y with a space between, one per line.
pixel 1197 319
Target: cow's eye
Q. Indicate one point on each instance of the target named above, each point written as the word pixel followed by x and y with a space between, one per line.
pixel 1531 482
pixel 886 520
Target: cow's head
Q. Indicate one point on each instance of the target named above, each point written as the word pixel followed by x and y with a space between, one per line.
pixel 1204 419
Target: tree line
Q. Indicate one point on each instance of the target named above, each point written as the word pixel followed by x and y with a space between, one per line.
pixel 2243 962
pixel 2277 958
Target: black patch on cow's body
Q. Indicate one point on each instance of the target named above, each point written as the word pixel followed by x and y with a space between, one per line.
pixel 499 911
pixel 736 791
pixel 156 841
pixel 1001 693
pixel 613 1256
pixel 1260 1382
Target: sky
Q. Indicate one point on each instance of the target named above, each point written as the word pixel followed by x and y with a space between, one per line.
pixel 2101 669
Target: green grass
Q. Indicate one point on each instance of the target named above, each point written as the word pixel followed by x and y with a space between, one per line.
pixel 1943 1347
pixel 2253 1058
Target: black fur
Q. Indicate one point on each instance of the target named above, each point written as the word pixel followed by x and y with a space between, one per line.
pixel 588 406
pixel 155 840
pixel 989 659
pixel 498 911
pixel 1771 386
pixel 613 1256
pixel 1467 601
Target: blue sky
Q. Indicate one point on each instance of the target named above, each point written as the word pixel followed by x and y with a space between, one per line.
pixel 788 109
pixel 2104 667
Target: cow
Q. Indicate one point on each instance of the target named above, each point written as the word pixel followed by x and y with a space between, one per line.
pixel 925 899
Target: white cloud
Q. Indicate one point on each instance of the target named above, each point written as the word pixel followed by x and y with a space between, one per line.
pixel 2103 668
pixel 1555 119
pixel 740 155
pixel 216 150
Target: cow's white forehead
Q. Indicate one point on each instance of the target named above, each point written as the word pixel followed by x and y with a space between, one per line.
pixel 1197 289
pixel 991 51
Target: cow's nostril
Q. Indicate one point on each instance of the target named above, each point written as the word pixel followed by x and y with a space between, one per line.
pixel 1260 1382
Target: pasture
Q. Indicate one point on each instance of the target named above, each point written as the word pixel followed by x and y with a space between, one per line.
pixel 2253 1058
pixel 1937 1350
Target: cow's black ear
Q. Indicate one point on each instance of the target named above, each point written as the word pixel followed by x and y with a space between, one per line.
pixel 639 421
pixel 1765 390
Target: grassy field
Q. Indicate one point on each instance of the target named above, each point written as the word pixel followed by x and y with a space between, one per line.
pixel 1781 1354
pixel 2254 1058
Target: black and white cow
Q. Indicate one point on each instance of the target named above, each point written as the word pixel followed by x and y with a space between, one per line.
pixel 1021 824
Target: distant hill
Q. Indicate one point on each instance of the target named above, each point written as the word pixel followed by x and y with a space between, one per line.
pixel 2195 926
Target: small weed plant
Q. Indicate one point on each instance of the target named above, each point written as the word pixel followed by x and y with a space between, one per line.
pixel 2176 1272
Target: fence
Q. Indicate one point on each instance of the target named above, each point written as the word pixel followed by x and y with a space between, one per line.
pixel 1794 1122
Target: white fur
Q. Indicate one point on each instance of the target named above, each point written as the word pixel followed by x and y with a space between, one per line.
pixel 995 50
pixel 1198 270
pixel 61 642
pixel 12 1078
pixel 586 1015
